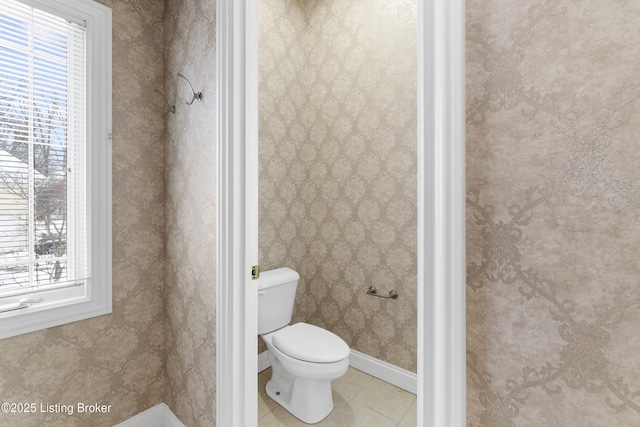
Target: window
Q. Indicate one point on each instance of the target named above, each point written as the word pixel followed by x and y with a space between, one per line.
pixel 55 163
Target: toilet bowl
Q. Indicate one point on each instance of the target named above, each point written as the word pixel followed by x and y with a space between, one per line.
pixel 303 387
pixel 304 358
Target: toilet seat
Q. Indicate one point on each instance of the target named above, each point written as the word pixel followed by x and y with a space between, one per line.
pixel 310 343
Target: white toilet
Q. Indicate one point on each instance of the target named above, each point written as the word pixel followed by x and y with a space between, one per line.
pixel 304 358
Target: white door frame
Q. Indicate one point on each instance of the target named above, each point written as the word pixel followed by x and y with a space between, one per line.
pixel 441 213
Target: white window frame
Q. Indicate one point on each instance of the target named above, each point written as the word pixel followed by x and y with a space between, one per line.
pixel 98 297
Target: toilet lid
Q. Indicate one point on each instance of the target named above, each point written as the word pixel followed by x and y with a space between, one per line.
pixel 310 343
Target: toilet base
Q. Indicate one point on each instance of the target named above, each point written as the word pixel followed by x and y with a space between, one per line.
pixel 310 401
pixel 302 388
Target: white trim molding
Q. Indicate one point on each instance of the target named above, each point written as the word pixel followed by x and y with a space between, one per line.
pixel 384 371
pixel 441 224
pixel 441 214
pixel 377 368
pixel 237 239
pixel 263 361
pixel 156 416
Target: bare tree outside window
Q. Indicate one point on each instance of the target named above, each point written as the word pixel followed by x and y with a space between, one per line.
pixel 37 137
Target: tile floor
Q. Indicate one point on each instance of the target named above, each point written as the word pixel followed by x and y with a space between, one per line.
pixel 359 400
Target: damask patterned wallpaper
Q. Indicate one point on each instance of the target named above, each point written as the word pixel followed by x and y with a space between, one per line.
pixel 553 213
pixel 190 206
pixel 553 207
pixel 115 359
pixel 338 165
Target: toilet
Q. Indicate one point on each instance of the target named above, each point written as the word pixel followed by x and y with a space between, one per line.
pixel 304 358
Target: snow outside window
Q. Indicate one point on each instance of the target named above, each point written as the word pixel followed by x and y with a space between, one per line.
pixel 55 163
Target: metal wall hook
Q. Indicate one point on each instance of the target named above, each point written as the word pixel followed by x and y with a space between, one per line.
pixel 196 95
pixel 172 108
pixel 373 291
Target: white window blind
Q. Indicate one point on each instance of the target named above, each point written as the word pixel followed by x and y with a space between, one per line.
pixel 43 152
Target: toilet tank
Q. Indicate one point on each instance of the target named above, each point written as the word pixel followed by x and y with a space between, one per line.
pixel 276 296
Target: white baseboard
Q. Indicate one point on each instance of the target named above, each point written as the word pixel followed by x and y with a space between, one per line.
pixel 377 368
pixel 384 371
pixel 263 361
pixel 156 416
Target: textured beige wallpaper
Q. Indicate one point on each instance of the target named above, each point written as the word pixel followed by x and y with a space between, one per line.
pixel 338 165
pixel 115 359
pixel 190 211
pixel 553 213
pixel 553 207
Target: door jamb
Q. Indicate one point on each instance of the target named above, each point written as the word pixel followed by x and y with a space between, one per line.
pixel 441 213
